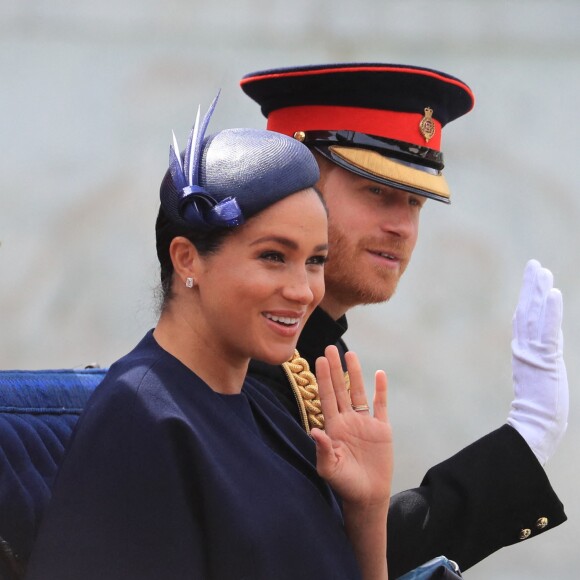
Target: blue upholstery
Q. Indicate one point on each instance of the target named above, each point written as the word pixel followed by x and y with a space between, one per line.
pixel 38 411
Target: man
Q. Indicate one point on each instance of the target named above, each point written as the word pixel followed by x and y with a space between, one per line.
pixel 376 133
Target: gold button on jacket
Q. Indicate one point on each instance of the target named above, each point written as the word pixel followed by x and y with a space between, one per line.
pixel 542 523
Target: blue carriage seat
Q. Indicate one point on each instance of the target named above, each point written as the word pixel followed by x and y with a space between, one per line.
pixel 38 412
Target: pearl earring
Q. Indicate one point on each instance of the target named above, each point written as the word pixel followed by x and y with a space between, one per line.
pixel 189 282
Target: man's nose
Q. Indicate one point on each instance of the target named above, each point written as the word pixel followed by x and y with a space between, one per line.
pixel 397 219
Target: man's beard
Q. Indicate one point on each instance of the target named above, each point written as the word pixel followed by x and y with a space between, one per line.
pixel 350 279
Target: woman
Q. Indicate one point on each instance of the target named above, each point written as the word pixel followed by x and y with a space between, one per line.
pixel 181 468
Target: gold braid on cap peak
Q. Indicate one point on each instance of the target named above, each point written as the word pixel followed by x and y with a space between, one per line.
pixel 305 389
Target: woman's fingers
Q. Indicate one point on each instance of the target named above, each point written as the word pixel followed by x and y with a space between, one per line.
pixel 325 388
pixel 380 400
pixel 358 394
pixel 338 380
pixel 334 395
pixel 325 456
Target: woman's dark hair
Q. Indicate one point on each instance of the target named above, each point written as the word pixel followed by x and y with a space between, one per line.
pixel 206 243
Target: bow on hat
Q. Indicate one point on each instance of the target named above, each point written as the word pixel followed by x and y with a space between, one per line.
pixel 189 201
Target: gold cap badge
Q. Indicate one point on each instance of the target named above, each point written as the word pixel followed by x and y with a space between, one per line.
pixel 427 125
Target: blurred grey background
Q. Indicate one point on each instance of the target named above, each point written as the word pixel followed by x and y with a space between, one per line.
pixel 90 92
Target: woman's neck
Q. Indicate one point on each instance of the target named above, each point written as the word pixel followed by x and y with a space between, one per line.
pixel 188 344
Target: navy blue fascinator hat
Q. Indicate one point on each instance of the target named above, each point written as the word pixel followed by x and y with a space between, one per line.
pixel 221 180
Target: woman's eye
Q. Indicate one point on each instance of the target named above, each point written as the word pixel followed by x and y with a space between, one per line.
pixel 376 190
pixel 272 256
pixel 317 260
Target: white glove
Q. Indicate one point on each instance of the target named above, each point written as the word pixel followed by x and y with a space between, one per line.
pixel 539 411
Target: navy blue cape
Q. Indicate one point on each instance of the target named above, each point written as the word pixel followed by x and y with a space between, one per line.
pixel 167 479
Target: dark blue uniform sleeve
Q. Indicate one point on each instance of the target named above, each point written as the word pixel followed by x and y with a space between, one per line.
pixel 492 494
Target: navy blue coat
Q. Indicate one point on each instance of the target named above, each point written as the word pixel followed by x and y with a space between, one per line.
pixel 167 479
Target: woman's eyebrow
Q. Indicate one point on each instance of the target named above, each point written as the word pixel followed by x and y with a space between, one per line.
pixel 278 239
pixel 286 242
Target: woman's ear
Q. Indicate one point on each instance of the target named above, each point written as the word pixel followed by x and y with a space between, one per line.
pixel 185 259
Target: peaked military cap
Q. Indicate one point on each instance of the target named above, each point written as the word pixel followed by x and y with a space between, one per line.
pixel 381 121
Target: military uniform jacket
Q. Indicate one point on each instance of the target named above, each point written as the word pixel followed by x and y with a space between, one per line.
pixel 492 494
pixel 167 479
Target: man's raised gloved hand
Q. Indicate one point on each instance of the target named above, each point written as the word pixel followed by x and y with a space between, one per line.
pixel 539 411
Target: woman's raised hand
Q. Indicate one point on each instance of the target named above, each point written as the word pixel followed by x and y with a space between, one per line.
pixel 354 452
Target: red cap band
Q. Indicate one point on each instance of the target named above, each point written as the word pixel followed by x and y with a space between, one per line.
pixel 389 124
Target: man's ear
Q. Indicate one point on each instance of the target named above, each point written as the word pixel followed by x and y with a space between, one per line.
pixel 185 259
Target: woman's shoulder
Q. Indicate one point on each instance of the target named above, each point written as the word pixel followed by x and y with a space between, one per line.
pixel 137 394
pixel 152 378
pixel 144 371
pixel 128 372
